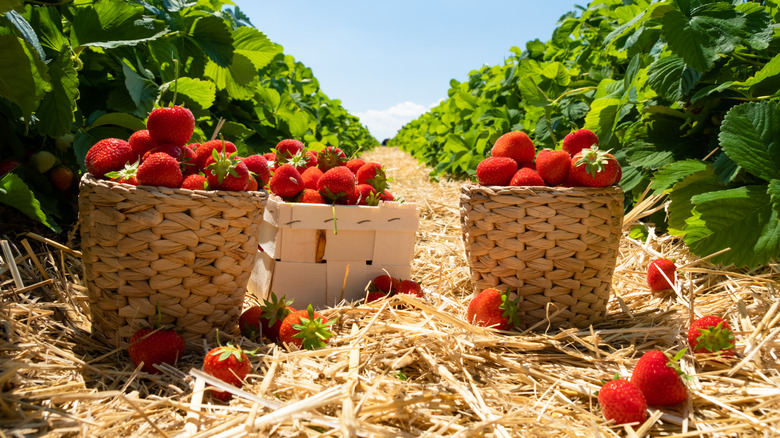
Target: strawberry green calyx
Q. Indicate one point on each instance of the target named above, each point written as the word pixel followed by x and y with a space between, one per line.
pixel 674 363
pixel 275 309
pixel 125 174
pixel 714 339
pixel 224 163
pixel 224 352
pixel 510 308
pixel 313 331
pixel 595 160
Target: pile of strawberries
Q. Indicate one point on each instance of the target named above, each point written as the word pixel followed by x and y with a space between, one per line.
pixel 513 161
pixel 160 155
pixel 385 286
pixel 326 176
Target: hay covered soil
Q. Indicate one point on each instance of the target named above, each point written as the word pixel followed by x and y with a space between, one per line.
pixel 401 371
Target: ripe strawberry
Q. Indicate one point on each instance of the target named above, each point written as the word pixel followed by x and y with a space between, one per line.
pixel 373 174
pixel 229 364
pixel 337 184
pixel 251 185
pixel 330 157
pixel 127 175
pixel 660 379
pixel 108 155
pixel 205 151
pixel 386 196
pixel 258 165
pixel 553 165
pixel 288 148
pixel 61 178
pixel 410 287
pixel 306 328
pixel 159 169
pixel 154 347
pixel 376 296
pixel 195 181
pixel 286 182
pixel 365 194
pixel 265 319
pixel 188 161
pixel 492 308
pixel 384 283
pixel 515 145
pixel 7 166
pixel 496 171
pixel 311 177
pixel 43 161
pixel 579 140
pixel 526 177
pixel 657 273
pixel 593 168
pixel 141 142
pixel 169 148
pixel 309 196
pixel 355 164
pixel 225 171
pixel 172 125
pixel 622 402
pixel 711 334
pixel 270 156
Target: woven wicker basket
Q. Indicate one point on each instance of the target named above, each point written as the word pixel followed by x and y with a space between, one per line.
pixel 190 253
pixel 555 247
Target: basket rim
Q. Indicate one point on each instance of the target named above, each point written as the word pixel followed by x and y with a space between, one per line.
pixel 473 187
pixel 89 179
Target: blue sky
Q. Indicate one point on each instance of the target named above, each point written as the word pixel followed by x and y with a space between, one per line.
pixel 388 62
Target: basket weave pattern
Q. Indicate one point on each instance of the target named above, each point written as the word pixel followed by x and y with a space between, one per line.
pixel 190 253
pixel 555 247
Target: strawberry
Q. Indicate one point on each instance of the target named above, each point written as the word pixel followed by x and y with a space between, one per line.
pixel 286 182
pixel 229 364
pixel 593 168
pixel 309 196
pixel 141 142
pixel 43 161
pixel 169 148
pixel 384 283
pixel 711 334
pixel 365 194
pixel 660 379
pixel 7 166
pixel 171 125
pixel 515 145
pixel 553 165
pixel 288 148
pixel 61 178
pixel 376 296
pixel 226 171
pixel 251 185
pixel 265 319
pixel 526 177
pixel 108 155
pixel 657 273
pixel 195 181
pixel 188 160
pixel 126 175
pixel 492 308
pixel 311 176
pixel 270 157
pixel 386 196
pixel 258 165
pixel 337 184
pixel 306 328
pixel 155 346
pixel 496 171
pixel 205 151
pixel 355 164
pixel 578 140
pixel 331 157
pixel 159 169
pixel 622 402
pixel 410 287
pixel 373 174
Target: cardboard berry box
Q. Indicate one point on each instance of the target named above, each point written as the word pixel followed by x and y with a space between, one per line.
pixel 305 256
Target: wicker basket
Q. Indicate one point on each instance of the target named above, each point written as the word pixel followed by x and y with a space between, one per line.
pixel 190 253
pixel 555 247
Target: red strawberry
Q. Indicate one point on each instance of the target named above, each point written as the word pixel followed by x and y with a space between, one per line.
pixel 127 175
pixel 622 402
pixel 492 308
pixel 306 328
pixel 355 164
pixel 205 151
pixel 229 364
pixel 309 196
pixel 288 148
pixel 657 273
pixel 365 194
pixel 251 185
pixel 386 196
pixel 155 347
pixel 496 171
pixel 188 161
pixel 7 166
pixel 173 125
pixel 593 168
pixel 270 156
pixel 659 378
pixel 159 169
pixel 337 184
pixel 226 171
pixel 526 177
pixel 170 149
pixel 384 283
pixel 553 165
pixel 258 165
pixel 711 334
pixel 141 142
pixel 286 182
pixel 108 155
pixel 311 176
pixel 515 145
pixel 195 181
pixel 579 140
pixel 265 319
pixel 376 296
pixel 373 174
pixel 410 287
pixel 61 178
pixel 331 157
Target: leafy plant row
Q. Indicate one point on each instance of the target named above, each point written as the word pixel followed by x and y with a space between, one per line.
pixel 684 92
pixel 77 72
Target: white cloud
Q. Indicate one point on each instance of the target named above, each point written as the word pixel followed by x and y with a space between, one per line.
pixel 386 123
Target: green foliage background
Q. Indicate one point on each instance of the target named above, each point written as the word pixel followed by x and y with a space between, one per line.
pixel 684 92
pixel 76 72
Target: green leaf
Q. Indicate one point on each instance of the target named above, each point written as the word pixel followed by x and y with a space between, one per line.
pixel 680 208
pixel 24 78
pixel 253 44
pixel 20 197
pixel 741 219
pixel 8 5
pixel 113 23
pixel 750 135
pixel 602 116
pixel 124 120
pixel 27 32
pixel 666 177
pixel 143 91
pixel 215 39
pixel 774 195
pixel 57 107
pixel 557 72
pixel 235 78
pixel 48 26
pixel 765 82
pixel 671 78
pixel 199 92
pixel 561 33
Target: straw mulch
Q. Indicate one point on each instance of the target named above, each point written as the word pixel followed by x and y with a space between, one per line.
pixel 417 370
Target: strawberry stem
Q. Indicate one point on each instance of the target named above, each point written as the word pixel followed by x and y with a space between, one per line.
pixel 175 80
